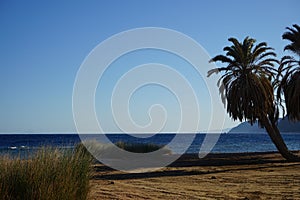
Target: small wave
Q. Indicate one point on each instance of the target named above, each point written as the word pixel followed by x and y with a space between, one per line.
pixel 24 147
pixel 18 147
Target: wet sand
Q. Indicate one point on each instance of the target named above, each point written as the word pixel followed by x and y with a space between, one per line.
pixel 218 176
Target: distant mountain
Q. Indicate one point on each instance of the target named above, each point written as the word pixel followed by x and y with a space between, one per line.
pixel 245 127
pixel 284 126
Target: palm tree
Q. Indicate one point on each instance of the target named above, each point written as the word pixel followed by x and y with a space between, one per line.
pixel 246 87
pixel 289 72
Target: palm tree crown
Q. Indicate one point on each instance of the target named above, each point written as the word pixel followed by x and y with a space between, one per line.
pixel 289 74
pixel 245 87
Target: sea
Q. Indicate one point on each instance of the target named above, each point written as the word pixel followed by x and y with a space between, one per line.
pixel 19 144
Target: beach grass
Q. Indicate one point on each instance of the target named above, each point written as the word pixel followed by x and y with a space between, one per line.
pixel 51 173
pixel 109 150
pixel 138 147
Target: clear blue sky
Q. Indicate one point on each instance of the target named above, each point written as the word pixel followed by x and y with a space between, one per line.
pixel 43 43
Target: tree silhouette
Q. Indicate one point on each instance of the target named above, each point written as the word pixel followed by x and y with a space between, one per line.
pixel 246 87
pixel 289 74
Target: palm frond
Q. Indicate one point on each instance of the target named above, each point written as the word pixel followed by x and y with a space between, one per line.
pixel 293 35
pixel 221 58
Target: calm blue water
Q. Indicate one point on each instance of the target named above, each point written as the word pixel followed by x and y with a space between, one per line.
pixel 227 143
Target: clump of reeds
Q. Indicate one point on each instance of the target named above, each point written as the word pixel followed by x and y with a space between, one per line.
pixel 109 150
pixel 139 147
pixel 49 174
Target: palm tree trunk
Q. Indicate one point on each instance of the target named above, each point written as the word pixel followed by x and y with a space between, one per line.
pixel 277 139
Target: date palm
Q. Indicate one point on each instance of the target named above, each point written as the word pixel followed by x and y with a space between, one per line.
pixel 246 86
pixel 289 72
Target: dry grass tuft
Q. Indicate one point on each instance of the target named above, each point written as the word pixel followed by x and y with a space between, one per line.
pixel 50 174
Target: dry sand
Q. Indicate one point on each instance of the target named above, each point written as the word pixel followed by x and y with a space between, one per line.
pixel 219 176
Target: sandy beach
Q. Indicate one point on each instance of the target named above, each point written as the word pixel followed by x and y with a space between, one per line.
pixel 218 176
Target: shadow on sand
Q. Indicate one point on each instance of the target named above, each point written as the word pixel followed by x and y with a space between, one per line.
pixel 212 164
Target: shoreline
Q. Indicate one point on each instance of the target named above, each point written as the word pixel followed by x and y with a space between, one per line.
pixel 234 158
